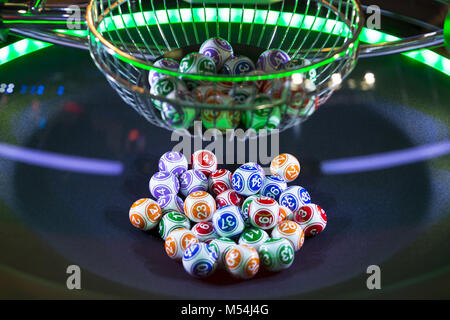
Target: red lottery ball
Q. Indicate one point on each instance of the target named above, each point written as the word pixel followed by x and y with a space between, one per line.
pixel 229 197
pixel 264 213
pixel 219 181
pixel 311 218
pixel 204 161
pixel 204 231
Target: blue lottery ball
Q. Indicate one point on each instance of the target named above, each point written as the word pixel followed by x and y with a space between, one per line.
pixel 228 222
pixel 247 180
pixel 294 198
pixel 238 65
pixel 200 260
pixel 273 186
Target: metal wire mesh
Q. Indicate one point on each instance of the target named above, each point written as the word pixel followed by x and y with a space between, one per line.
pixel 321 38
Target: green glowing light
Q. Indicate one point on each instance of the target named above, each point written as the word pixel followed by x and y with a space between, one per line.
pixel 285 19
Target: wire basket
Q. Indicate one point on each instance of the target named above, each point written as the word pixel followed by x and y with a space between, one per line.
pixel 320 38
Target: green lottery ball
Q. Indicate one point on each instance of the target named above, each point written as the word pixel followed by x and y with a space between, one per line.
pixel 253 237
pixel 276 254
pixel 197 63
pixel 171 221
pixel 168 87
pixel 245 205
pixel 222 245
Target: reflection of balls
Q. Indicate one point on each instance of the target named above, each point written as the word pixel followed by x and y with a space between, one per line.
pixel 245 206
pixel 285 214
pixel 247 180
pixel 167 87
pixel 222 245
pixel 170 202
pixel 228 221
pixel 219 181
pixel 217 49
pixel 243 94
pixel 204 231
pixel 199 206
pixel 229 197
pixel 181 117
pixel 267 118
pixel 205 161
pixel 220 119
pixel 242 261
pixel 272 60
pixel 196 63
pixel 171 221
pixel 163 183
pixel 263 213
pixel 177 241
pixel 273 186
pixel 165 63
pixel 253 237
pixel 285 166
pixel 145 214
pixel 311 218
pixel 276 254
pixel 291 231
pixel 200 260
pixel 174 162
pixel 294 197
pixel 238 65
pixel 192 181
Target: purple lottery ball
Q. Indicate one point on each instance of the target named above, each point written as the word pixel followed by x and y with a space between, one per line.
pixel 170 202
pixel 191 181
pixel 163 183
pixel 272 60
pixel 217 49
pixel 173 162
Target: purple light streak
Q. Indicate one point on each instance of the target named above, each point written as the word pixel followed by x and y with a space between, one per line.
pixel 60 162
pixel 385 160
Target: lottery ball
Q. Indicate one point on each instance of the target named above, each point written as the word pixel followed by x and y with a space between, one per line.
pixel 200 260
pixel 238 65
pixel 222 245
pixel 204 161
pixel 219 181
pixel 192 181
pixel 168 87
pixel 285 214
pixel 312 218
pixel 272 60
pixel 171 221
pixel 196 63
pixel 145 214
pixel 246 205
pixel 273 186
pixel 247 180
pixel 229 197
pixel 199 206
pixel 263 213
pixel 276 254
pixel 217 49
pixel 170 202
pixel 174 162
pixel 204 231
pixel 285 166
pixel 242 261
pixel 228 222
pixel 242 94
pixel 291 231
pixel 294 197
pixel 165 63
pixel 163 183
pixel 177 241
pixel 181 117
pixel 253 237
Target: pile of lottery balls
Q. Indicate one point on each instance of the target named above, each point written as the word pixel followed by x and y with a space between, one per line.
pixel 212 218
pixel 216 56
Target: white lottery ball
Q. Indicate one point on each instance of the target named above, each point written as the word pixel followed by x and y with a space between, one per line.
pixel 145 214
pixel 170 202
pixel 192 181
pixel 199 206
pixel 217 49
pixel 242 261
pixel 200 260
pixel 247 180
pixel 177 241
pixel 294 197
pixel 174 162
pixel 291 231
pixel 163 183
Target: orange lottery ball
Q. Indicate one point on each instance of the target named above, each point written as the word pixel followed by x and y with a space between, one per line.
pixel 199 206
pixel 286 166
pixel 178 241
pixel 145 214
pixel 291 231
